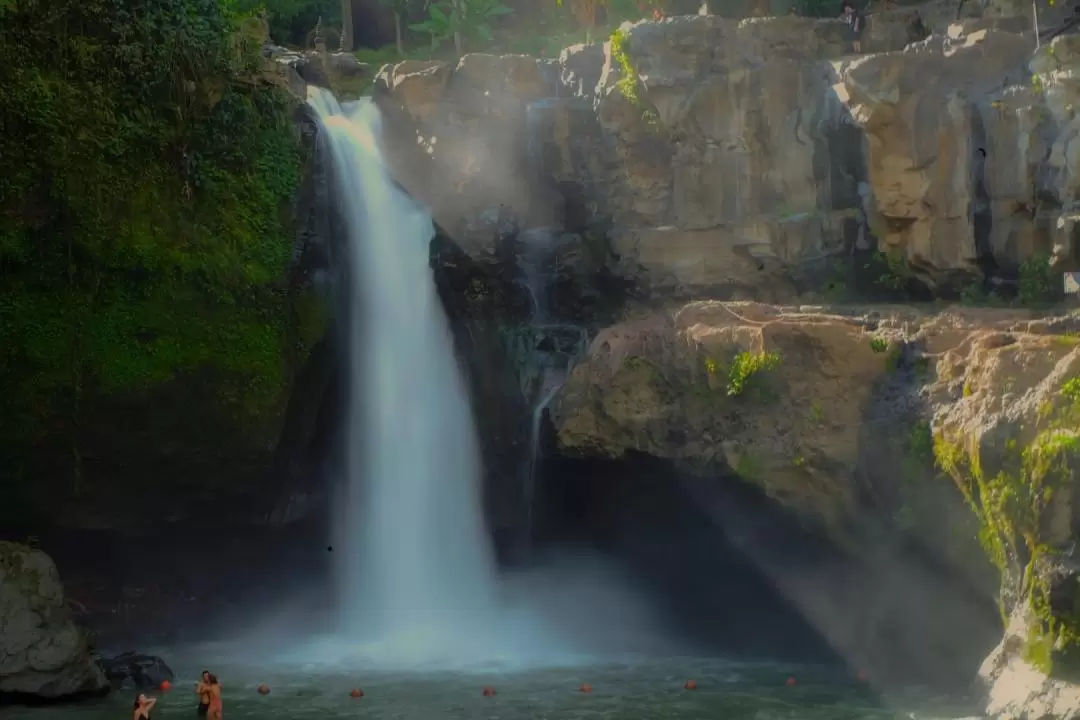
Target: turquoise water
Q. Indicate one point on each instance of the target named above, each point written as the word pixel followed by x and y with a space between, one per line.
pixel 647 690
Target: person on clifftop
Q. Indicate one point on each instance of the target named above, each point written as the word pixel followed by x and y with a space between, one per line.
pixel 143 706
pixel 856 25
pixel 916 29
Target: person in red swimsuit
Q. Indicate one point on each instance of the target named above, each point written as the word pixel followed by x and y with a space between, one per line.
pixel 214 711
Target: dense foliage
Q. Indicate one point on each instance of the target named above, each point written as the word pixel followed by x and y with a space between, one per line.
pixel 291 21
pixel 143 208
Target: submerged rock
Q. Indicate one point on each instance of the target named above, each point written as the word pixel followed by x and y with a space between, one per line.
pixel 136 671
pixel 42 652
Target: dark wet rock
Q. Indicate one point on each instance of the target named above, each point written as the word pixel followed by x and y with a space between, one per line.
pixel 43 654
pixel 136 671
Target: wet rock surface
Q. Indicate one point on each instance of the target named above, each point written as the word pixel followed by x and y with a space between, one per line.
pixel 43 654
pixel 133 670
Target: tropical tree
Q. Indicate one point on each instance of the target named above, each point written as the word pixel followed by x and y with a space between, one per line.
pixel 584 11
pixel 291 20
pixel 461 18
pixel 587 12
pixel 401 9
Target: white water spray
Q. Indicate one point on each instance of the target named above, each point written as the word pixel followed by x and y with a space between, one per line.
pixel 415 567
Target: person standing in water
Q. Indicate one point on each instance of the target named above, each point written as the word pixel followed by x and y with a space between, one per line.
pixel 143 706
pixel 203 689
pixel 213 712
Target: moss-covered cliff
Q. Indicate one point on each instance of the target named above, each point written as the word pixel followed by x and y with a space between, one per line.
pixel 149 331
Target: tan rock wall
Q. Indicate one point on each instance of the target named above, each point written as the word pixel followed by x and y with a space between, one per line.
pixel 764 135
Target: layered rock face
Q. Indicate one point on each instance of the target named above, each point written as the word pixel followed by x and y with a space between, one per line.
pixel 42 652
pixel 956 431
pixel 739 155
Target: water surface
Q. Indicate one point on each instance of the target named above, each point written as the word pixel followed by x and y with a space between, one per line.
pixel 645 690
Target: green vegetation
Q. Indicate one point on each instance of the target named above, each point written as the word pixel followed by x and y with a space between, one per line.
pixel 1012 506
pixel 892 360
pixel 1071 390
pixel 481 26
pixel 746 366
pixel 629 85
pixel 749 467
pixel 888 276
pixel 1037 284
pixel 461 20
pixel 879 345
pixel 144 227
pixel 743 371
pixel 918 458
pixel 919 448
pixel 1038 287
pixel 292 21
pixel 896 273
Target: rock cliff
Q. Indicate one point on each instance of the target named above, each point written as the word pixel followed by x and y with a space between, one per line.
pixel 42 652
pixel 745 156
pixel 956 431
pixel 703 157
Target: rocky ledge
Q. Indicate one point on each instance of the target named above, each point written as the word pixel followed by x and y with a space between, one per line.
pixel 748 156
pixel 42 653
pixel 957 430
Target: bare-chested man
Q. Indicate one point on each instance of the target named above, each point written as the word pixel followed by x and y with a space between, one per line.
pixel 205 693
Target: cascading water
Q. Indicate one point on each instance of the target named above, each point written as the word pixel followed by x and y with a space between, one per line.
pixel 415 568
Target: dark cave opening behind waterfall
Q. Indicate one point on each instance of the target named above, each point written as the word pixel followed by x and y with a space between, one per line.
pixel 704 589
pixel 733 574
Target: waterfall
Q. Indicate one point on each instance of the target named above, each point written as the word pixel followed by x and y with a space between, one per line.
pixel 414 568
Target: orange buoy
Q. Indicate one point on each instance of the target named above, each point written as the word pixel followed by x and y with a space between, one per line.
pixel 690 685
pixel 166 686
pixel 263 689
pixel 792 682
pixel 356 693
pixel 585 688
pixel 489 692
pixel 862 676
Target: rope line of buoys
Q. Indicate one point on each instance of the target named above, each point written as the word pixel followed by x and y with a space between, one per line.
pixel 586 688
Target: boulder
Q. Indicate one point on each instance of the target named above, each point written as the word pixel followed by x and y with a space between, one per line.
pixel 662 385
pixel 1017 688
pixel 135 671
pixel 42 652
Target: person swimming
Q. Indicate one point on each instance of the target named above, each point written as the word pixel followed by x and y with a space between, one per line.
pixel 213 712
pixel 143 706
pixel 203 689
